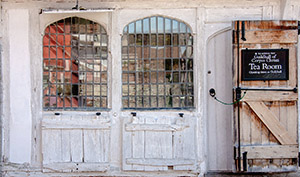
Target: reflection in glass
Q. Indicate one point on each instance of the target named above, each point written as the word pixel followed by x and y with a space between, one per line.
pixel 157 64
pixel 75 65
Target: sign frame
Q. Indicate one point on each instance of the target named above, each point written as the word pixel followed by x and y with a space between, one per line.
pixel 264 77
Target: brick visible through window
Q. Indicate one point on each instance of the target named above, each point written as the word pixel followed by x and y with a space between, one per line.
pixel 75 65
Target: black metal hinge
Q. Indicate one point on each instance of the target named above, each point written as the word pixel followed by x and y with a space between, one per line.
pixel 298 27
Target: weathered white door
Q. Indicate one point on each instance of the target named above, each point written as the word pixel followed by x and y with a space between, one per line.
pixel 266 118
pixel 76 143
pixel 75 135
pixel 158 89
pixel 159 142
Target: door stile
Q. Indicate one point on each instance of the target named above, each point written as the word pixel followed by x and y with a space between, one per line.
pixel 266 115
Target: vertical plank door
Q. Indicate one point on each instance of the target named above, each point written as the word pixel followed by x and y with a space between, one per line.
pixel 266 118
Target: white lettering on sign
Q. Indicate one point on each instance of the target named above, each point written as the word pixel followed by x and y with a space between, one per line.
pixel 265 61
pixel 268 67
pixel 265 64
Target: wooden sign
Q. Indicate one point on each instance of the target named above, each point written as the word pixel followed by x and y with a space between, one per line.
pixel 265 64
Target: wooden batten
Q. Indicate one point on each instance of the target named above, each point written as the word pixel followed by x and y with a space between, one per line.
pixel 160 162
pixel 154 127
pixel 271 152
pixel 272 123
pixel 270 96
pixel 75 167
pixel 68 123
pixel 266 37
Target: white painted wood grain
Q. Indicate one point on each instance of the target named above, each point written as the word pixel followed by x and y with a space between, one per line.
pixel 75 167
pixel 154 148
pixel 138 144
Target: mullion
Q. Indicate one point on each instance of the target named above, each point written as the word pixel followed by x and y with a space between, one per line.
pixel 135 38
pixel 179 62
pixel 128 81
pixel 49 73
pixel 186 69
pixel 157 75
pixel 148 59
pixel 143 64
pixel 64 62
pixel 101 61
pixel 165 64
pixel 56 84
pixel 71 63
pixel 93 72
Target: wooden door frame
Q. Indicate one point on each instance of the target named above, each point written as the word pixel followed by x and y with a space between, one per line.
pixel 267 117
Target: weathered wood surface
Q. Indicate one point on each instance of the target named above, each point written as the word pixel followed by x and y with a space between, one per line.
pixel 154 127
pixel 268 119
pixel 79 144
pixel 271 152
pixel 75 167
pixel 75 123
pixel 272 123
pixel 160 162
pixel 153 144
pixel 269 96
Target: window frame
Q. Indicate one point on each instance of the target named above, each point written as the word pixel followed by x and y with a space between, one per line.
pixel 188 31
pixel 103 32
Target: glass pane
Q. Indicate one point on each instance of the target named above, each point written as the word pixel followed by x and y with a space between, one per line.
pixel 157 64
pixel 139 38
pixel 103 102
pixel 160 52
pixel 131 39
pixel 139 52
pixel 104 90
pixel 160 25
pixel 125 102
pixel 138 26
pixel 175 26
pixel 146 25
pixel 131 28
pixel 146 39
pixel 153 39
pixel 125 65
pixel 182 28
pixel 146 89
pixel 146 52
pixel 153 77
pixel 160 40
pixel 167 25
pixel 153 24
pixel 125 90
pixel 97 90
pixel 153 102
pixel 132 90
pixel 167 39
pixel 154 89
pixel 146 65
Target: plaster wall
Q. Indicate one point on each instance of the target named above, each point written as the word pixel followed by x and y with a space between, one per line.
pixel 20 88
pixel 210 22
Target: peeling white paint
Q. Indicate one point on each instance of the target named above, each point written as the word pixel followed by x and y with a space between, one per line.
pixel 205 19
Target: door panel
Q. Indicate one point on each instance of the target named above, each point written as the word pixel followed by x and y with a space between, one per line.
pixel 159 143
pixel 267 117
pixel 75 143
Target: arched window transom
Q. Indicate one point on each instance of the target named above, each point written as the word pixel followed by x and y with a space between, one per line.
pixel 74 65
pixel 157 64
